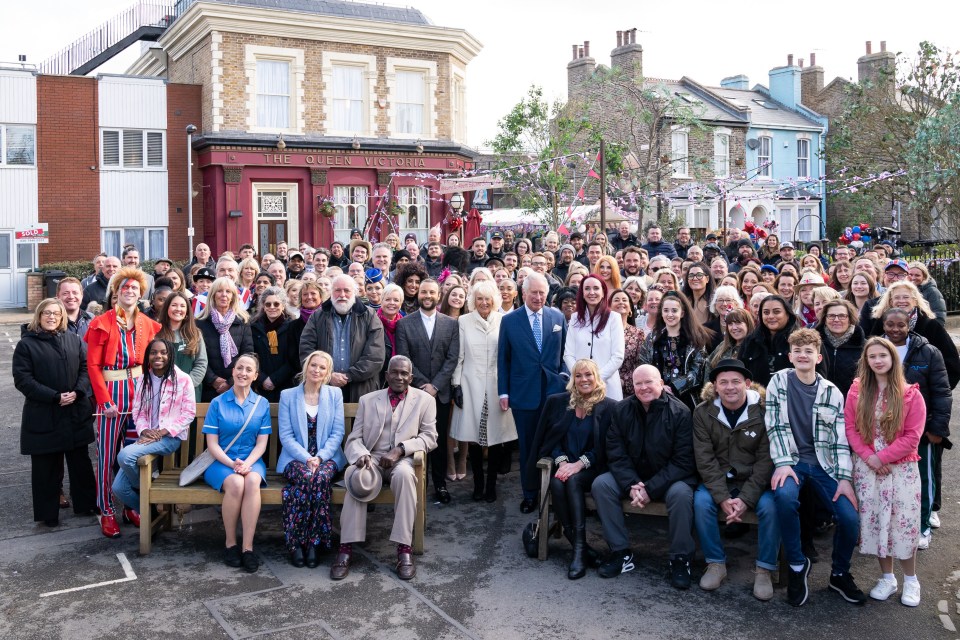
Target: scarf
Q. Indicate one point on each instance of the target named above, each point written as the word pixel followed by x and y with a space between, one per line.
pixel 914 316
pixel 228 348
pixel 271 327
pixel 809 316
pixel 306 313
pixel 390 327
pixel 839 341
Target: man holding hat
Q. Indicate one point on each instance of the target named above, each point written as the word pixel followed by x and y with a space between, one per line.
pixel 391 425
pixel 733 458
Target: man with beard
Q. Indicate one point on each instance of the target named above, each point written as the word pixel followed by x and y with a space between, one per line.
pixel 295 265
pixel 683 242
pixel 432 342
pixel 745 251
pixel 478 254
pixel 352 334
pixel 632 262
pixel 434 260
pixel 576 239
pixel 562 267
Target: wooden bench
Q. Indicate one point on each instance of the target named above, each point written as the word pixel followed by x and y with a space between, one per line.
pixel 653 509
pixel 165 489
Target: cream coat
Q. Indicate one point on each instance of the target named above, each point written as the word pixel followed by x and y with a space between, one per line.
pixel 607 349
pixel 476 374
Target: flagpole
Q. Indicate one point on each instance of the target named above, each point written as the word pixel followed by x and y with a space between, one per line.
pixel 603 189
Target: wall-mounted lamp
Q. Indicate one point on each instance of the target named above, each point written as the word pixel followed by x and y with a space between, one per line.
pixel 281 145
pixel 356 143
pixel 456 202
pixel 235 213
pixel 382 103
pixel 419 146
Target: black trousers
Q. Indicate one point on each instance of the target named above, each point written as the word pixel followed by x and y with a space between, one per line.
pixel 46 472
pixel 437 459
pixel 569 500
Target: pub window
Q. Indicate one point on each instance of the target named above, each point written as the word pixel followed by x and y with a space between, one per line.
pixel 351 206
pixel 348 98
pixel 132 149
pixel 415 203
pixel 411 99
pixel 18 145
pixel 273 94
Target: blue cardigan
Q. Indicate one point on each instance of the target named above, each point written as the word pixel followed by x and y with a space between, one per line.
pixel 293 427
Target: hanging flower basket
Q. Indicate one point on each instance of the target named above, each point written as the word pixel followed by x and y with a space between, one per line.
pixel 395 209
pixel 326 208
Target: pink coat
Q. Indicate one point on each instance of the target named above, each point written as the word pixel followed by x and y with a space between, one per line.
pixel 904 446
pixel 177 411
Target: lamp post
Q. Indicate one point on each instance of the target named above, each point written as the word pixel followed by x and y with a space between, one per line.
pixel 191 129
pixel 456 203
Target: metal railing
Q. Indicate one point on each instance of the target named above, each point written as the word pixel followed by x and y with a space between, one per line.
pixel 943 262
pixel 146 13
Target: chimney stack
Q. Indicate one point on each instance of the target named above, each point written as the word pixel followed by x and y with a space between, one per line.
pixel 628 55
pixel 811 83
pixel 785 84
pixel 789 59
pixel 579 71
pixel 586 48
pixel 869 47
pixel 878 69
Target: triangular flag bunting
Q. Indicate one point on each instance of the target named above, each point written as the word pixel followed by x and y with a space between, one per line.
pixel 580 194
pixel 594 174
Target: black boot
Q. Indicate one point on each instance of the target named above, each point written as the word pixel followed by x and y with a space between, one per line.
pixel 476 465
pixel 493 459
pixel 578 565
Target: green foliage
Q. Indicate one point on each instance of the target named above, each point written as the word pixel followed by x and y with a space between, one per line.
pixel 77 268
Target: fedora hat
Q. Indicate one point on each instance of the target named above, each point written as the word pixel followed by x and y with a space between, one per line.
pixel 729 364
pixel 363 483
pixel 358 242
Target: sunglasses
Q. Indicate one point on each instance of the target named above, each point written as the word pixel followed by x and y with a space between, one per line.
pixel 272 305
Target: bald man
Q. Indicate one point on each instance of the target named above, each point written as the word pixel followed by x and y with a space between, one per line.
pixel 650 458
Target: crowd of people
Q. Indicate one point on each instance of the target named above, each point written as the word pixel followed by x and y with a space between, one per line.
pixel 717 377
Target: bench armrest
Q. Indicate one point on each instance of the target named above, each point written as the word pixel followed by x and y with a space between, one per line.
pixel 419 459
pixel 545 463
pixel 147 460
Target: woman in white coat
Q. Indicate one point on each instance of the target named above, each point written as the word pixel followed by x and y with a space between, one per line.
pixel 477 417
pixel 592 335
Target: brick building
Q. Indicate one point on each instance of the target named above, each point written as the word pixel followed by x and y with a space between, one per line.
pixel 309 102
pixel 92 158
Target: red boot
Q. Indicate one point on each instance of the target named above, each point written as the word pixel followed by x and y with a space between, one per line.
pixel 109 527
pixel 131 517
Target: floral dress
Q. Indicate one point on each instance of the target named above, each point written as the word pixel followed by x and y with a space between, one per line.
pixel 632 341
pixel 889 505
pixel 306 500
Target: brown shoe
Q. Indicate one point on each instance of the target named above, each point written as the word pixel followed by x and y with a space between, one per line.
pixel 405 567
pixel 340 567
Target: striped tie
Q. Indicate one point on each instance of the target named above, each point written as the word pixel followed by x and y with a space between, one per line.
pixel 537 331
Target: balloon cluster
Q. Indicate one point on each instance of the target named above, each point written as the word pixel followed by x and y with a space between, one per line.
pixel 856 236
pixel 755 232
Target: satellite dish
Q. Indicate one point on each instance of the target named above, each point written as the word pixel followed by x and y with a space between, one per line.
pixel 753 143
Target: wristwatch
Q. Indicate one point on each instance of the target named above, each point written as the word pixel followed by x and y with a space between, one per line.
pixel 403 449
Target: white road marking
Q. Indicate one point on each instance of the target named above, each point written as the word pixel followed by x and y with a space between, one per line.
pixel 947 622
pixel 127 570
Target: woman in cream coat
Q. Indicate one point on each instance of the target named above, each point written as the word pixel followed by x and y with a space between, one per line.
pixel 595 335
pixel 477 417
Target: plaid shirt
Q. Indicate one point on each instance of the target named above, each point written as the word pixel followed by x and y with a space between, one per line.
pixel 829 431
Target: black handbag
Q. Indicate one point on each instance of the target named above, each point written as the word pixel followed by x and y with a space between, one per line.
pixel 531 535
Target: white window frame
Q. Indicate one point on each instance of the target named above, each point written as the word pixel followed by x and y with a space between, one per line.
pixel 458 104
pixel 295 58
pixel 419 197
pixel 680 158
pixel 145 149
pixel 293 208
pixel 369 66
pixel 804 223
pixel 343 200
pixel 145 254
pixel 430 113
pixel 3 145
pixel 721 152
pixel 803 162
pixel 765 172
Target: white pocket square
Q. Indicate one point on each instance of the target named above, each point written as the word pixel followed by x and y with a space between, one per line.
pixel 557 328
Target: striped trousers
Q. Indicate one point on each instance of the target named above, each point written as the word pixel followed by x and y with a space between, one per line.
pixel 110 433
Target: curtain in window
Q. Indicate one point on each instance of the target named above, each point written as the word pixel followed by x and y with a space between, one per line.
pixel 158 245
pixel 135 237
pixel 20 146
pixel 410 99
pixel 721 155
pixel 273 94
pixel 348 99
pixel 679 149
pixel 111 243
pixel 351 206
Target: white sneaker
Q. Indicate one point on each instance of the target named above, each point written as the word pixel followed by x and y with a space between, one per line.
pixel 934 520
pixel 911 593
pixel 884 589
pixel 924 540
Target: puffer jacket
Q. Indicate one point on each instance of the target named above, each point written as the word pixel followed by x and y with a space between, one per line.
pixel 656 450
pixel 935 334
pixel 741 451
pixel 931 293
pixel 923 366
pixel 839 364
pixel 764 354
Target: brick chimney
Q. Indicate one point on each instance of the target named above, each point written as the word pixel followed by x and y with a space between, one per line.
pixel 628 55
pixel 579 70
pixel 811 82
pixel 785 83
pixel 878 68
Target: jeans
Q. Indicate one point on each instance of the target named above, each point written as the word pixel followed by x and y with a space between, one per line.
pixel 705 512
pixel 788 505
pixel 127 482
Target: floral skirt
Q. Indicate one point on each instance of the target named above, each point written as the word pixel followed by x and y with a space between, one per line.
pixel 306 505
pixel 889 509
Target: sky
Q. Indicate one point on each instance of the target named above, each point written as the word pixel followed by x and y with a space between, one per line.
pixel 528 41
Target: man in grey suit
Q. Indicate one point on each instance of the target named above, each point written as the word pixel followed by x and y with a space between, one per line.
pixel 432 342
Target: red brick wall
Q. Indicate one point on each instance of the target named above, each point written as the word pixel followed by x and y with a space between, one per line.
pixel 67 148
pixel 183 108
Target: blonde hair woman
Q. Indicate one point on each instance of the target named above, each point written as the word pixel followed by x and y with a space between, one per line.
pixel 226 334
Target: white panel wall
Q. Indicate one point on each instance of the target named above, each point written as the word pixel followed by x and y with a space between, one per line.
pixel 18 97
pixel 133 199
pixel 137 103
pixel 18 202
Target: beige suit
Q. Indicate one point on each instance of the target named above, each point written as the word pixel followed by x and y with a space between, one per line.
pixel 377 429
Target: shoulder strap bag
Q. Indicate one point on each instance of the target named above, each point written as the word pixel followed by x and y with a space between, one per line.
pixel 192 472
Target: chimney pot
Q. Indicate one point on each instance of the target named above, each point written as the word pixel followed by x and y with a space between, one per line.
pixel 574 52
pixel 619 39
pixel 586 48
pixel 789 59
pixel 883 45
pixel 869 47
pixel 813 59
pixel 580 55
pixel 633 36
pixel 800 63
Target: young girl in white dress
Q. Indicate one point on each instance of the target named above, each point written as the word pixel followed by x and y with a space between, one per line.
pixel 884 422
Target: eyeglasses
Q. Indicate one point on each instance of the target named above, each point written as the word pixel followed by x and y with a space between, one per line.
pixel 272 305
pixel 696 276
pixel 837 316
pixel 51 314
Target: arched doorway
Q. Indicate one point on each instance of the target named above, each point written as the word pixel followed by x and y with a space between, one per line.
pixel 737 217
pixel 759 215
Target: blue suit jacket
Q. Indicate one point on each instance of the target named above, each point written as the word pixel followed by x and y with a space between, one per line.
pixel 527 375
pixel 293 427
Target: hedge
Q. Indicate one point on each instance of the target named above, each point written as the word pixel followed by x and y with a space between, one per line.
pixel 82 268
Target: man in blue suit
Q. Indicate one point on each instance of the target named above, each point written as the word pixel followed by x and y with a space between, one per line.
pixel 529 366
